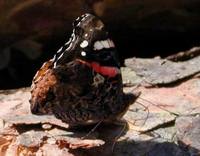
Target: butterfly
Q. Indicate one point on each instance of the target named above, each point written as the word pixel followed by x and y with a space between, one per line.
pixel 82 84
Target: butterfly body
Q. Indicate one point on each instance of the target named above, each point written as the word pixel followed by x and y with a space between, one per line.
pixel 82 84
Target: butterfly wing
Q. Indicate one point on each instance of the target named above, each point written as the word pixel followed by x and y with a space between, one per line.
pixel 41 87
pixel 41 72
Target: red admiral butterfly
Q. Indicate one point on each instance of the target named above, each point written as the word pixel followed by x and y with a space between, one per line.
pixel 82 84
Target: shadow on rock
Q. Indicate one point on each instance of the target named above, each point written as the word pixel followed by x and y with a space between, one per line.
pixel 132 148
pixel 127 146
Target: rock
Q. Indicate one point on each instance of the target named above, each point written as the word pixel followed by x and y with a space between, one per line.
pixel 50 150
pixel 188 133
pixel 36 142
pixel 140 145
pixel 129 77
pixel 31 139
pixel 19 104
pixel 146 119
pixel 30 119
pixel 158 106
pixel 185 55
pixel 167 133
pixel 1 124
pixel 161 71
pixel 178 100
pixel 167 149
pixel 148 127
pixel 46 126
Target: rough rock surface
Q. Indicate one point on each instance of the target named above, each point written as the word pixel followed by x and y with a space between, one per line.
pixel 188 133
pixel 163 122
pixel 161 71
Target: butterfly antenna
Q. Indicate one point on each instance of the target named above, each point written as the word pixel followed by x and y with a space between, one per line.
pixel 147 116
pixel 156 105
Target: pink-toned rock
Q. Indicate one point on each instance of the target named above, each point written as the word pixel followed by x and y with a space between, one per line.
pixel 159 105
pixel 188 133
pixel 182 99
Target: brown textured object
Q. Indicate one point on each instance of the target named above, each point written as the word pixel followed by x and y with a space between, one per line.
pixel 82 84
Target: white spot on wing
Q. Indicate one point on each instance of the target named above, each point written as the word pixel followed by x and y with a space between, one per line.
pixel 84 44
pixel 69 47
pixel 54 66
pixel 83 53
pixel 112 45
pixel 105 44
pixel 86 15
pixel 98 45
pixel 83 19
pixel 73 37
pixel 36 75
pixel 60 50
pixel 54 58
pixel 60 56
pixel 68 42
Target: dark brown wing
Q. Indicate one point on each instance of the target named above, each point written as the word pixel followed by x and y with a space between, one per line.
pixel 42 83
pixel 62 85
pixel 41 72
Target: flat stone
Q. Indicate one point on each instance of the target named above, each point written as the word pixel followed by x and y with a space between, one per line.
pixel 188 133
pixel 129 77
pixel 167 133
pixel 31 139
pixel 141 120
pixel 30 119
pixel 161 71
pixel 180 99
pixel 158 107
pixel 15 102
